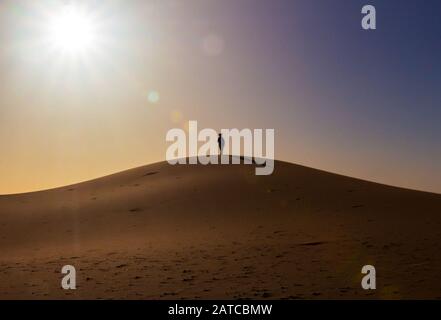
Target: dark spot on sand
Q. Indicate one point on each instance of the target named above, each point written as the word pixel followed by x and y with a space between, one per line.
pixel 150 173
pixel 316 243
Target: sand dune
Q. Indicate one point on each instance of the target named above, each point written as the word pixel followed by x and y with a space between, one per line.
pixel 217 231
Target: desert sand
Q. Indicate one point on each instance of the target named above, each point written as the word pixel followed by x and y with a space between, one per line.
pixel 220 231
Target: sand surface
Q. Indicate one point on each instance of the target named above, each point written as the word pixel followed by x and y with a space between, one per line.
pixel 218 231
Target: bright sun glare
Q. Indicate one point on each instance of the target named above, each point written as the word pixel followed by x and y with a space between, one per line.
pixel 72 30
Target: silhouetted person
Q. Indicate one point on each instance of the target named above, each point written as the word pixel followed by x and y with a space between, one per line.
pixel 221 143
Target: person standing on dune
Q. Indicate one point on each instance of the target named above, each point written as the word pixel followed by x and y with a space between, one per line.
pixel 221 143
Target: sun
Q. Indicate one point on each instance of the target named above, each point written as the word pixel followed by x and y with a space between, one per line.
pixel 72 30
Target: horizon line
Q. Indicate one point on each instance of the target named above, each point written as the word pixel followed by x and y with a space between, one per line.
pixel 231 156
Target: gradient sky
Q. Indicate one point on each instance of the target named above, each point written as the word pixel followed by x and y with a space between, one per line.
pixel 342 99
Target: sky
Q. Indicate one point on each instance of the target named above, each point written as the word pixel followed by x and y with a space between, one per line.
pixel 342 99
